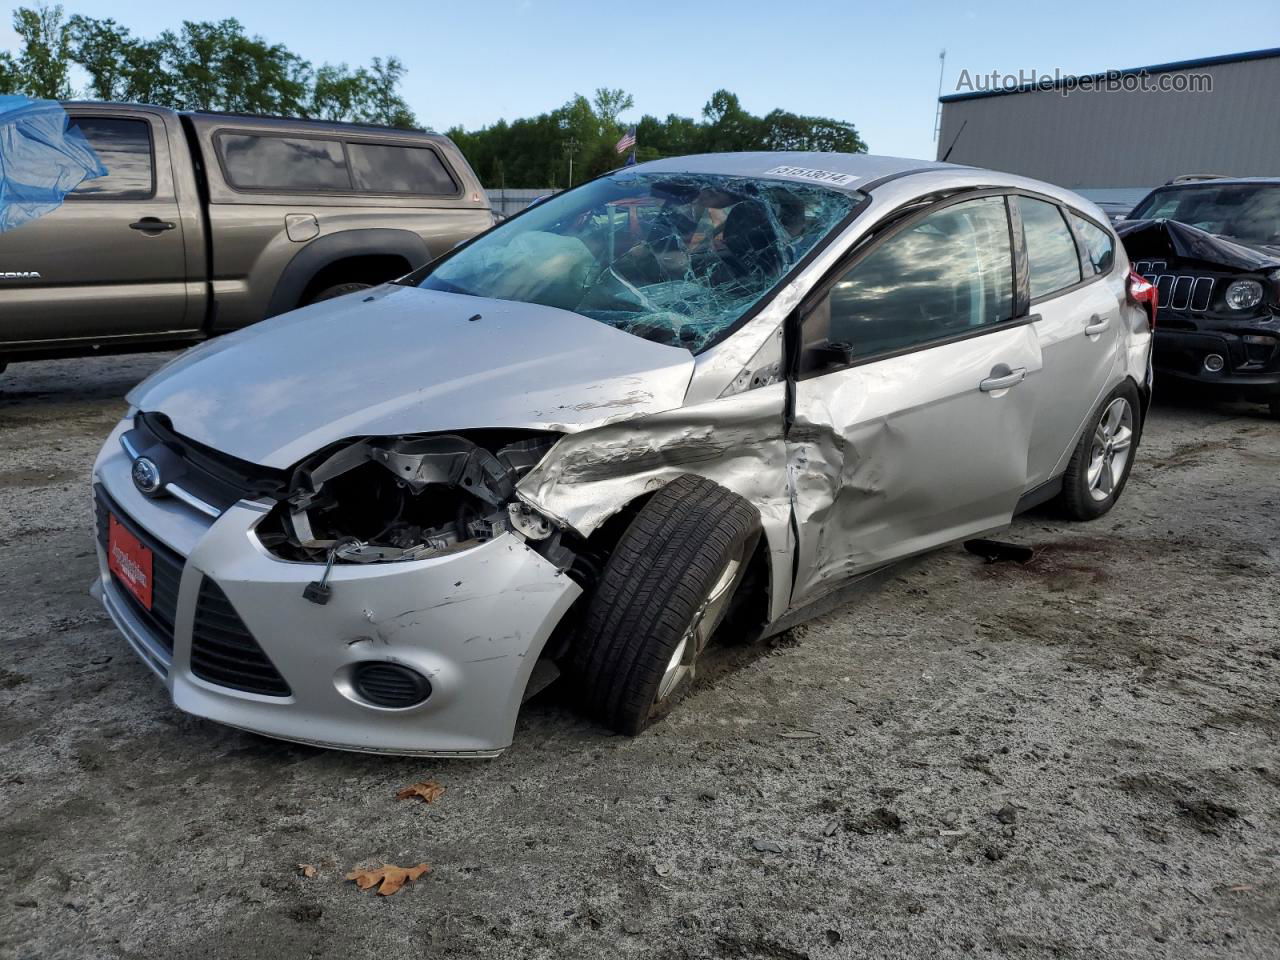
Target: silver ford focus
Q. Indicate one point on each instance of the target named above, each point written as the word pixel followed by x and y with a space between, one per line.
pixel 691 398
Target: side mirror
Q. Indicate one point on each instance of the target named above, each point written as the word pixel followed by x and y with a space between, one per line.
pixel 831 353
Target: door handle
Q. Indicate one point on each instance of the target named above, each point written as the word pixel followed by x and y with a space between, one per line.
pixel 152 225
pixel 1010 379
pixel 1096 325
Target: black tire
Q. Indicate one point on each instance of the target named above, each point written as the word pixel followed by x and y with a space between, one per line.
pixel 1078 499
pixel 653 593
pixel 1273 405
pixel 338 290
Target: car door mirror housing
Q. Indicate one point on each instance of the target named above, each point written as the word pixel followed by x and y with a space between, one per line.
pixel 831 353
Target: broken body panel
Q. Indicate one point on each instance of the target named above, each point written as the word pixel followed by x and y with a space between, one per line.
pixel 451 456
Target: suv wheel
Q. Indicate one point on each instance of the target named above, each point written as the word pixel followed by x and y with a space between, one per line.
pixel 338 290
pixel 1100 465
pixel 664 591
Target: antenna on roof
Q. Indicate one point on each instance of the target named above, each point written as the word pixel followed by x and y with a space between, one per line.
pixel 937 117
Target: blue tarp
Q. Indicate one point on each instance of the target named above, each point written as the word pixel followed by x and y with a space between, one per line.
pixel 41 160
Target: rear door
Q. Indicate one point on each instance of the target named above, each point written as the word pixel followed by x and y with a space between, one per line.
pixel 912 415
pixel 110 261
pixel 1078 326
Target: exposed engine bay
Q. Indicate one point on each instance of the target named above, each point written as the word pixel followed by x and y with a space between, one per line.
pixel 408 498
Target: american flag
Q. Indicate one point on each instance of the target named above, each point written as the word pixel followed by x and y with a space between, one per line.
pixel 628 141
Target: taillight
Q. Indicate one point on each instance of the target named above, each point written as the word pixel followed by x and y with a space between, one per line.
pixel 1143 294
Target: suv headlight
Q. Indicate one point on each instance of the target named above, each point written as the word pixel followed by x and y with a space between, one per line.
pixel 1243 294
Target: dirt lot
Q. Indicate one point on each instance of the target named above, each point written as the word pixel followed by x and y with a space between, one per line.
pixel 1075 758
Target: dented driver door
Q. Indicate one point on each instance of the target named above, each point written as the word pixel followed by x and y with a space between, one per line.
pixel 912 419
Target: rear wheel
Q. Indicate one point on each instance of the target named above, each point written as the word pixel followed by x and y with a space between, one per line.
pixel 338 290
pixel 1100 465
pixel 664 591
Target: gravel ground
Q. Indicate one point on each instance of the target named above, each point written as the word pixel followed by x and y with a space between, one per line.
pixel 1072 758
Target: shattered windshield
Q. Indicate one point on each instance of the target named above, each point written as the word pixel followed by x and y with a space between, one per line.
pixel 673 258
pixel 1249 213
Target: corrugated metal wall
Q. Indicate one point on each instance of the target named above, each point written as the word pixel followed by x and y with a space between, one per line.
pixel 507 202
pixel 1125 139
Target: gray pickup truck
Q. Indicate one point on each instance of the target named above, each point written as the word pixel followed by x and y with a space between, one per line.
pixel 206 222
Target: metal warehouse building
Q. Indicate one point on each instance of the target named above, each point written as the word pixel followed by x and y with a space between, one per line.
pixel 1117 141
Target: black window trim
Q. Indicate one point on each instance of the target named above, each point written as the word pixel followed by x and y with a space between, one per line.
pixel 76 117
pixel 342 139
pixel 891 226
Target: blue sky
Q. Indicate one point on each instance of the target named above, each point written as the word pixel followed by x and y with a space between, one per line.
pixel 874 65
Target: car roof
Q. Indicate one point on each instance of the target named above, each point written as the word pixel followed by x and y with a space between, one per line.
pixel 864 167
pixel 1217 182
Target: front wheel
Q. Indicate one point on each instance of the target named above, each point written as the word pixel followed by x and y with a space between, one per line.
pixel 664 591
pixel 1100 465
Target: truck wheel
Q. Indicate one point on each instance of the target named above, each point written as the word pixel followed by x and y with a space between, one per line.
pixel 1100 465
pixel 664 590
pixel 338 290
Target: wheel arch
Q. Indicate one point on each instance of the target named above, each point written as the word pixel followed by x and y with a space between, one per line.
pixel 323 262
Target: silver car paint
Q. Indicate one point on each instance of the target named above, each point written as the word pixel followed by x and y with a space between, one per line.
pixel 858 478
pixel 405 360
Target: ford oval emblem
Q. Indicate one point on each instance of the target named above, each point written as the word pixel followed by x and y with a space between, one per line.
pixel 146 476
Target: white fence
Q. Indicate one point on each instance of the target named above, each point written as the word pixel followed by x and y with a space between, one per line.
pixel 507 202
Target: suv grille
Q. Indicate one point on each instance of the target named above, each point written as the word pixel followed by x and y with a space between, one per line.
pixel 1177 291
pixel 223 650
pixel 166 571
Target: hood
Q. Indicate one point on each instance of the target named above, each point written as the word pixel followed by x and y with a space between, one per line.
pixel 1146 239
pixel 402 360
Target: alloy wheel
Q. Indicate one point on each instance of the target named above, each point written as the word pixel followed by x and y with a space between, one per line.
pixel 1111 449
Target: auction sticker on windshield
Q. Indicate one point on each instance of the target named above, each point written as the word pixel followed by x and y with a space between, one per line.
pixel 130 560
pixel 817 176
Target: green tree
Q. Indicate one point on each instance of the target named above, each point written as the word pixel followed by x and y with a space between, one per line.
pixel 9 80
pixel 45 58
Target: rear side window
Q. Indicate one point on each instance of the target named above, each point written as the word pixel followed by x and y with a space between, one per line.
pixel 948 275
pixel 1100 251
pixel 1051 251
pixel 379 168
pixel 283 163
pixel 124 147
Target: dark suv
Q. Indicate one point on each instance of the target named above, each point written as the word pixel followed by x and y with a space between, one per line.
pixel 206 222
pixel 1212 248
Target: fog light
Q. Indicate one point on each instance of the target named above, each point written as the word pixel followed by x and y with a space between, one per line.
pixel 1214 362
pixel 385 684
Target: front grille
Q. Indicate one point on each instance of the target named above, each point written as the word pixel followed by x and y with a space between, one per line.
pixel 1177 291
pixel 166 571
pixel 223 650
pixel 216 478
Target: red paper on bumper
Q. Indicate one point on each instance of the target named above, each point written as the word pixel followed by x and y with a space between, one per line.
pixel 130 560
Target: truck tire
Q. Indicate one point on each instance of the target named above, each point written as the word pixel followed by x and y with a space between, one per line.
pixel 338 290
pixel 1099 467
pixel 664 590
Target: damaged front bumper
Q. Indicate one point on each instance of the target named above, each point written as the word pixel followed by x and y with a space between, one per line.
pixel 472 622
pixel 1219 358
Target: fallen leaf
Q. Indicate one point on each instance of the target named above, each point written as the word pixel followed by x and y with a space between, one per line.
pixel 430 791
pixel 391 877
pixel 307 870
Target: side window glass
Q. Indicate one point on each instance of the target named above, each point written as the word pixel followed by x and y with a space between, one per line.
pixel 1051 250
pixel 124 147
pixel 283 163
pixel 948 274
pixel 377 168
pixel 1100 251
